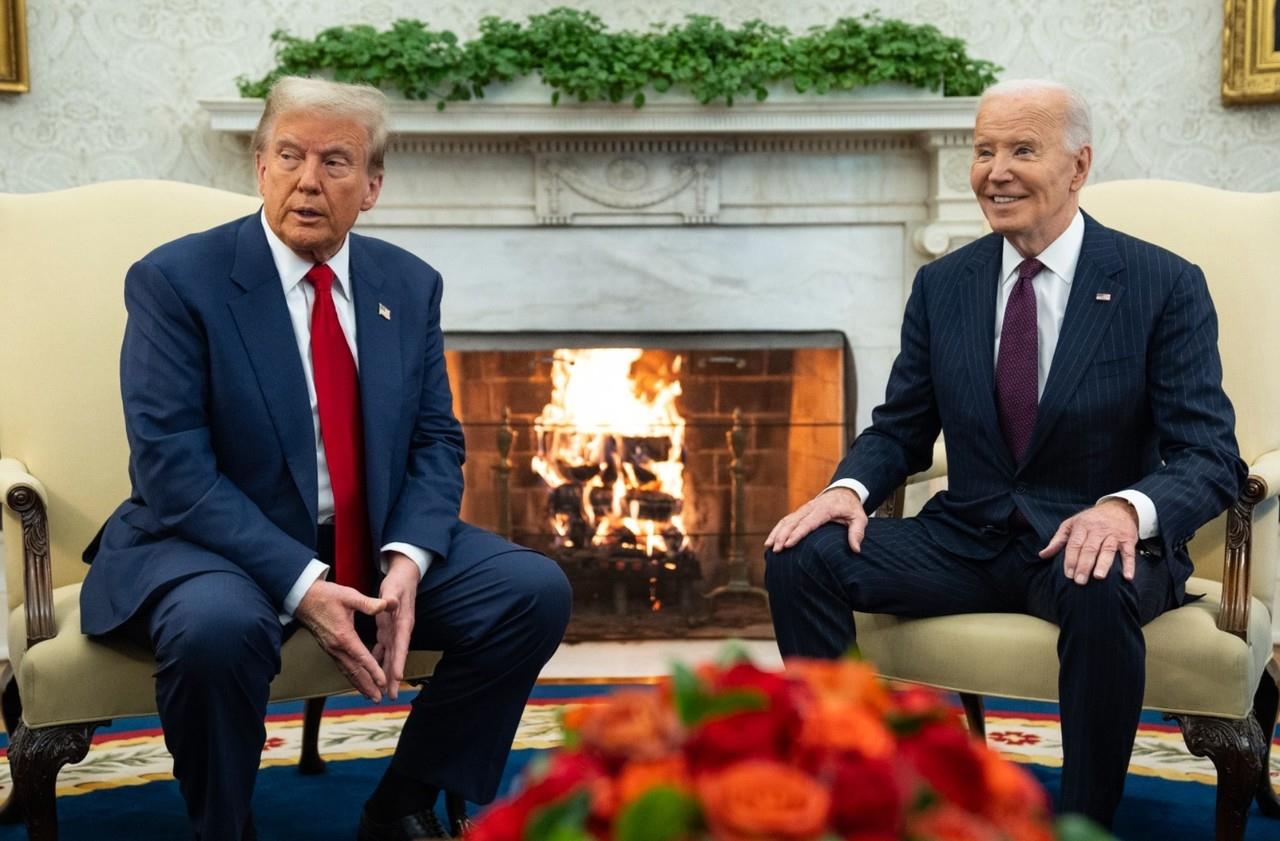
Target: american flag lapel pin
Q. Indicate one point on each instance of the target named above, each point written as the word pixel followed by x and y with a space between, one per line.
pixel 1102 296
pixel 385 311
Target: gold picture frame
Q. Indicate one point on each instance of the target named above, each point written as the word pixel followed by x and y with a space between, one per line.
pixel 14 75
pixel 1250 51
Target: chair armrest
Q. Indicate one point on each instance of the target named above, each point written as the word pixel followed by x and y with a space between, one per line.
pixel 892 507
pixel 1262 483
pixel 14 473
pixel 936 470
pixel 23 494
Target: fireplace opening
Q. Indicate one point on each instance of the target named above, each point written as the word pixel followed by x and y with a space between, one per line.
pixel 650 466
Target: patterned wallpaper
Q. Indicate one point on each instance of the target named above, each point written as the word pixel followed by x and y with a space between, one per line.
pixel 115 82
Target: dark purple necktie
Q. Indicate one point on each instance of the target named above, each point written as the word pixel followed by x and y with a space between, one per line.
pixel 1016 393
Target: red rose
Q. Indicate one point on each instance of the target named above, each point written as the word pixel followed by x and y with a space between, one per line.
pixel 501 822
pixel 506 820
pixel 948 759
pixel 867 797
pixel 752 734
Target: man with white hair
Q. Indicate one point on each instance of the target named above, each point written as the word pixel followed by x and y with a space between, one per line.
pixel 1074 373
pixel 295 461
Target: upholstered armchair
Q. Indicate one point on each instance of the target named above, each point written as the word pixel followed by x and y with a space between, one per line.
pixel 63 458
pixel 1209 663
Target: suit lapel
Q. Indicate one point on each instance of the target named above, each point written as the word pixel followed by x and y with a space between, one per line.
pixel 262 317
pixel 378 324
pixel 979 300
pixel 1083 325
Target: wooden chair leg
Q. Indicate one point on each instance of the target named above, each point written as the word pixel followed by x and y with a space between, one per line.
pixel 11 710
pixel 1235 746
pixel 35 758
pixel 1266 703
pixel 974 713
pixel 310 762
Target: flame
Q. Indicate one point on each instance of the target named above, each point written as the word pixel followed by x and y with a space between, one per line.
pixel 614 439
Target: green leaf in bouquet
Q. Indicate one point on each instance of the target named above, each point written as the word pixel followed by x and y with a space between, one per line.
pixel 660 814
pixel 732 653
pixel 695 703
pixel 1079 828
pixel 564 820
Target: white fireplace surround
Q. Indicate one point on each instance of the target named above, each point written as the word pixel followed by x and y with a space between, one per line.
pixel 793 214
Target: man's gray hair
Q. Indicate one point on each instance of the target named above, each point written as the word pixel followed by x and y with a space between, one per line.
pixel 1077 132
pixel 365 104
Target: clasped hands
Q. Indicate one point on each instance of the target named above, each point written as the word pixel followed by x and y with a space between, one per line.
pixel 1092 539
pixel 328 611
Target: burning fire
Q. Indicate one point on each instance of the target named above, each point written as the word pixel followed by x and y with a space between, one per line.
pixel 611 449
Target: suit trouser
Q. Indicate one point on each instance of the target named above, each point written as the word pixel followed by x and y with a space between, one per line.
pixel 815 586
pixel 497 617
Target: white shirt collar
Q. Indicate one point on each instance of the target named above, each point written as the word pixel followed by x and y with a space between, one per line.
pixel 292 269
pixel 1060 257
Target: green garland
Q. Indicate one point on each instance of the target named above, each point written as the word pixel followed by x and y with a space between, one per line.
pixel 579 58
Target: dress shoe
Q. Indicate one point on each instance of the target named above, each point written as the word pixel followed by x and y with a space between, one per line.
pixel 419 826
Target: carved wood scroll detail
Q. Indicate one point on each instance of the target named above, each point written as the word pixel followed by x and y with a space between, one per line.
pixel 1234 616
pixel 37 566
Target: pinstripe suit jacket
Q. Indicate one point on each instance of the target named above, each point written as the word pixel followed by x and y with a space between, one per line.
pixel 1134 399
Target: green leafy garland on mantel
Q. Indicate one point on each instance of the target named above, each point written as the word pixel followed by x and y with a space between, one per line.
pixel 579 58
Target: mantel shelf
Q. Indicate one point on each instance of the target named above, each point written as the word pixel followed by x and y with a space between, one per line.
pixel 796 115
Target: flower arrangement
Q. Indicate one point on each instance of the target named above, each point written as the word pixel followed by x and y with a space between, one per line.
pixel 822 750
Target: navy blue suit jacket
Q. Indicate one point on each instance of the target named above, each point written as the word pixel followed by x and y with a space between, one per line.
pixel 222 447
pixel 1134 399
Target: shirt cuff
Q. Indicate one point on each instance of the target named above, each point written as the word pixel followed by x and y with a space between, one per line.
pixel 421 557
pixel 313 571
pixel 1148 520
pixel 853 485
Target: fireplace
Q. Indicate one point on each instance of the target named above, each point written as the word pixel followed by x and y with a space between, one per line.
pixel 616 454
pixel 768 246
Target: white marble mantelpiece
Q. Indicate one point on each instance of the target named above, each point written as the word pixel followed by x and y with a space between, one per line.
pixel 793 214
pixel 514 159
pixel 523 108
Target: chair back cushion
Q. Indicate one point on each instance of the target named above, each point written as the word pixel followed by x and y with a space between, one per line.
pixel 62 315
pixel 1235 239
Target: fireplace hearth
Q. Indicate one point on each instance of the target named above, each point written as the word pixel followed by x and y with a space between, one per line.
pixel 650 466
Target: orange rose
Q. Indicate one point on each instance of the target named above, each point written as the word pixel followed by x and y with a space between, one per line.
pixel 842 682
pixel 949 823
pixel 638 777
pixel 1014 796
pixel 631 724
pixel 846 728
pixel 760 799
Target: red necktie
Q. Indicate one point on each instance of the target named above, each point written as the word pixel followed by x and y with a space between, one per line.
pixel 342 431
pixel 1017 397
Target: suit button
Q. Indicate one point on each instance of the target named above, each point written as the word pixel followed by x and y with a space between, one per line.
pixel 1019 489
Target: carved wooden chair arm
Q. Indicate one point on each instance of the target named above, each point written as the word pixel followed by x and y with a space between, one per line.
pixel 25 496
pixel 892 507
pixel 1262 483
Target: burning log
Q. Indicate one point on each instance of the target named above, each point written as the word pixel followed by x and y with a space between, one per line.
pixel 611 450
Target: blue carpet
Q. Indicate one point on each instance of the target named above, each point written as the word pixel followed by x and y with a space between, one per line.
pixel 291 806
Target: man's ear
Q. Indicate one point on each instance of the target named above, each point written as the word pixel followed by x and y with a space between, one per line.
pixel 371 195
pixel 1083 161
pixel 260 168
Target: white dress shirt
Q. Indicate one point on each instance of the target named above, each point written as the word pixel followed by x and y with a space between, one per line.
pixel 1052 288
pixel 300 297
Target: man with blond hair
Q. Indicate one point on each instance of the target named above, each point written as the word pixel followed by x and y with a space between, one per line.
pixel 1074 373
pixel 295 461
